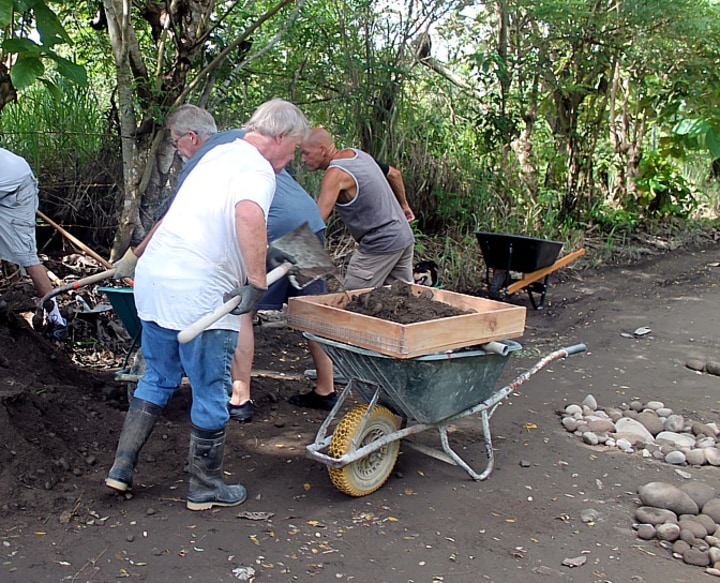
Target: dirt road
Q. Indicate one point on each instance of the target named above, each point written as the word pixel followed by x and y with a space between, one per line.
pixel 429 523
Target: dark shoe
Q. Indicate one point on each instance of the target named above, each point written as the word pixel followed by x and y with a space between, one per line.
pixel 207 488
pixel 242 413
pixel 312 400
pixel 139 423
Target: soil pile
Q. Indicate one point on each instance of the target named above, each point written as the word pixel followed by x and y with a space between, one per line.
pixel 54 417
pixel 399 304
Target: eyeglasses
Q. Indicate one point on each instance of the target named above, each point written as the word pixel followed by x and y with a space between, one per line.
pixel 174 143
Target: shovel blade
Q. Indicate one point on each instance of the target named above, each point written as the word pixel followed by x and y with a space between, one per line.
pixel 312 261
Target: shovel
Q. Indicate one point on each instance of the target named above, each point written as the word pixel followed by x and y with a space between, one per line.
pixel 100 276
pixel 312 263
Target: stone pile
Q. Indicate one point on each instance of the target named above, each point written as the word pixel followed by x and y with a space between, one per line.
pixel 650 428
pixel 700 365
pixel 685 519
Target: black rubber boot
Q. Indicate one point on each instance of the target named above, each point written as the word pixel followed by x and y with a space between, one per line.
pixel 139 423
pixel 207 488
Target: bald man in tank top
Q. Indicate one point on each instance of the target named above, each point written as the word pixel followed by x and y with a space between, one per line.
pixel 376 215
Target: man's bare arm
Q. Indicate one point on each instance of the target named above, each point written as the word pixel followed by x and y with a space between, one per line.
pixel 252 239
pixel 333 183
pixel 394 178
pixel 140 248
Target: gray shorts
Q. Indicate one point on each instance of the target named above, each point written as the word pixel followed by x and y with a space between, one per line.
pixel 371 270
pixel 17 224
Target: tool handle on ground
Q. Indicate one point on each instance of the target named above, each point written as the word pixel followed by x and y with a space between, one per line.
pixel 196 328
pixel 575 349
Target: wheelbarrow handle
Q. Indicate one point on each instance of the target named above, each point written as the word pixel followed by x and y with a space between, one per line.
pixel 575 349
pixel 200 325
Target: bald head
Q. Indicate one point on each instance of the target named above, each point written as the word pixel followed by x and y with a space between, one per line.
pixel 318 149
pixel 320 137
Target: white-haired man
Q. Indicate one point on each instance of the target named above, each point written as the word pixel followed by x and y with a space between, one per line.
pixel 211 242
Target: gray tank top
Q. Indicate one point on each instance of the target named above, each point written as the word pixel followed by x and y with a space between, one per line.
pixel 374 216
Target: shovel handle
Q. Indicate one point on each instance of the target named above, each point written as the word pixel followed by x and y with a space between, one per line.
pixel 82 282
pixel 200 325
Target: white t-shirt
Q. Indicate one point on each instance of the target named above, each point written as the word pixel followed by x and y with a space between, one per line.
pixel 13 170
pixel 193 257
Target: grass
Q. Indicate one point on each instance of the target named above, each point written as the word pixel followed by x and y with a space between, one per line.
pixel 73 154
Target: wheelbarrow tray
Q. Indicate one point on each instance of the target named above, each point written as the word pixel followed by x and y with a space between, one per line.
pixel 486 321
pixel 428 388
pixel 517 252
pixel 122 300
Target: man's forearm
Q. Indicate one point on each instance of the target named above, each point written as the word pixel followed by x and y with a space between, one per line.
pixel 252 239
pixel 397 185
pixel 394 178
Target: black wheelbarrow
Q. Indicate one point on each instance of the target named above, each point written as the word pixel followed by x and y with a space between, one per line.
pixel 534 259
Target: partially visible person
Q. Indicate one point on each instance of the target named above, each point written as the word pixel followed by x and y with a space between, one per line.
pixel 18 206
pixel 377 217
pixel 291 207
pixel 210 245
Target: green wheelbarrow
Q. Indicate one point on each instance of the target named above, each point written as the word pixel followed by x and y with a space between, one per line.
pixel 404 397
pixel 133 366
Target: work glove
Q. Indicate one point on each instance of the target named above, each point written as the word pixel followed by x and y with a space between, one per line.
pixel 275 257
pixel 249 294
pixel 125 266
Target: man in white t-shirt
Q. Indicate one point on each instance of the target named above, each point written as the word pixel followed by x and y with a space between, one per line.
pixel 211 242
pixel 18 205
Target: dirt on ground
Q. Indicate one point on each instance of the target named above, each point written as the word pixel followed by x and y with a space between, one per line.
pixel 61 412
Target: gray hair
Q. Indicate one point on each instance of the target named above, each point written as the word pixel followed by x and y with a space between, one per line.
pixel 191 118
pixel 276 118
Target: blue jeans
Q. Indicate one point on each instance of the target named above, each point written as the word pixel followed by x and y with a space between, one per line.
pixel 205 360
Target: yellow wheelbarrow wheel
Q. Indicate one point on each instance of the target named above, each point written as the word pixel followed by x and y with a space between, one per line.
pixel 365 475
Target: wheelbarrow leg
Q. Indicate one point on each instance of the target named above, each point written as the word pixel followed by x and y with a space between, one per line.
pixel 538 287
pixel 487 439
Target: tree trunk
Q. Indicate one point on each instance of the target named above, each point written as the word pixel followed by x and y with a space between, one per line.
pixel 524 151
pixel 119 29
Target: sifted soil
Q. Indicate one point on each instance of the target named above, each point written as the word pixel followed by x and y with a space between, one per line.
pixel 398 304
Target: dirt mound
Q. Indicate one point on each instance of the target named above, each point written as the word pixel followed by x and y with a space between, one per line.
pixel 54 416
pixel 61 411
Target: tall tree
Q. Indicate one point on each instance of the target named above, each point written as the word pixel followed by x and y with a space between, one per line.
pixel 175 38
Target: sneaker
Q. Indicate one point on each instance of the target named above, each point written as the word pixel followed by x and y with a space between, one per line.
pixel 312 400
pixel 242 413
pixel 56 331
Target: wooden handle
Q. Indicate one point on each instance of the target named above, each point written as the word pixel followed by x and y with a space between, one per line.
pixel 534 276
pixel 200 325
pixel 82 282
pixel 75 240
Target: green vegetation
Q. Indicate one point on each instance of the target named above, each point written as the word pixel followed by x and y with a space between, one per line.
pixel 562 119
